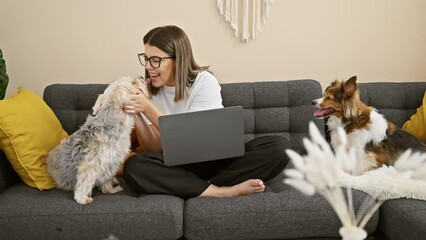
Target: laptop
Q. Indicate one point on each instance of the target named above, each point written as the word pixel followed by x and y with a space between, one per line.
pixel 202 136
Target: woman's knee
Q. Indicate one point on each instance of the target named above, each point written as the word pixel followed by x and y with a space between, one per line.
pixel 136 166
pixel 277 147
pixel 137 170
pixel 277 144
pixel 141 160
pixel 275 158
pixel 130 164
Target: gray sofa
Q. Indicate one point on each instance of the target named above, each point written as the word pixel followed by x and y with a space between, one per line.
pixel 281 212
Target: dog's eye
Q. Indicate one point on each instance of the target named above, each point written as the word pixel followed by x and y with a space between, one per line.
pixel 328 98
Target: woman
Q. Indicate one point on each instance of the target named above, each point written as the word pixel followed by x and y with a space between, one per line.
pixel 178 84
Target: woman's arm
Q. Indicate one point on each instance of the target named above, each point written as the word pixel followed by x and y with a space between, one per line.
pixel 148 135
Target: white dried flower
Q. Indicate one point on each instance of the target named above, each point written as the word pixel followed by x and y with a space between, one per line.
pixel 320 170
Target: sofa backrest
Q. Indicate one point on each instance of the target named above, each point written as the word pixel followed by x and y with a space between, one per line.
pixel 396 101
pixel 280 108
pixel 271 108
pixel 72 103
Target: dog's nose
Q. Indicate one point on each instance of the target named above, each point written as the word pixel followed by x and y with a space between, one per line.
pixel 314 102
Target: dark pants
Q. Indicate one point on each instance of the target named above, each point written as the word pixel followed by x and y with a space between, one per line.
pixel 265 158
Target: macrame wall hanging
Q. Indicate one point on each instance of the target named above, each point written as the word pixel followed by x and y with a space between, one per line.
pixel 254 13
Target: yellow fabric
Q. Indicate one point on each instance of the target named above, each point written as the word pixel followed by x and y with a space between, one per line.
pixel 417 123
pixel 28 131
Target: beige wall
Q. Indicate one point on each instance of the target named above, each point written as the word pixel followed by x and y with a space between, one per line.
pixel 96 41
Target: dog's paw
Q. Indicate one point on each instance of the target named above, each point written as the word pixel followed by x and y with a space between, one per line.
pixel 115 181
pixel 83 200
pixel 117 189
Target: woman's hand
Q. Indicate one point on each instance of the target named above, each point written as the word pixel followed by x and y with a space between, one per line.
pixel 148 136
pixel 138 103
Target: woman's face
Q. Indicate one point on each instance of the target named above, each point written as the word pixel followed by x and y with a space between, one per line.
pixel 163 75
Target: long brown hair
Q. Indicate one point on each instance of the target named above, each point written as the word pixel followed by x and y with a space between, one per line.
pixel 173 41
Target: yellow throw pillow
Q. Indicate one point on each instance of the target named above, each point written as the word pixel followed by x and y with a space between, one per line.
pixel 417 123
pixel 28 131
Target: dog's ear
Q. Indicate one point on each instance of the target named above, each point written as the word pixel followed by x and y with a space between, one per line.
pixel 98 104
pixel 352 79
pixel 350 87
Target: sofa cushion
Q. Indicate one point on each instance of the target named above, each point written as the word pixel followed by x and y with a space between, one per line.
pixel 417 123
pixel 28 131
pixel 279 213
pixel 53 214
pixel 403 219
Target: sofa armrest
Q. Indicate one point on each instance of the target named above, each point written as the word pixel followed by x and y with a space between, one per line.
pixel 8 176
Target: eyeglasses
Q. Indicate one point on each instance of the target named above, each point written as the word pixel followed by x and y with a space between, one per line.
pixel 155 61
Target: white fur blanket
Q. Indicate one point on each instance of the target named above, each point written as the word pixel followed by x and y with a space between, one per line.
pixel 387 183
pixel 322 168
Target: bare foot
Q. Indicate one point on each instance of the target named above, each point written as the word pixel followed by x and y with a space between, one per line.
pixel 250 186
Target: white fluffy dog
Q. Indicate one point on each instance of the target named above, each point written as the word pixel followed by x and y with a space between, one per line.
pixel 92 155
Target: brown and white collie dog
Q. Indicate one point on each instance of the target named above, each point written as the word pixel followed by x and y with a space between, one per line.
pixel 376 140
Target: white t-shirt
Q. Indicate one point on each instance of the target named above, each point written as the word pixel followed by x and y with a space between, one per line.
pixel 204 94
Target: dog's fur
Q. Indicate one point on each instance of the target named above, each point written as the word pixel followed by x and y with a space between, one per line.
pixel 92 155
pixel 376 140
